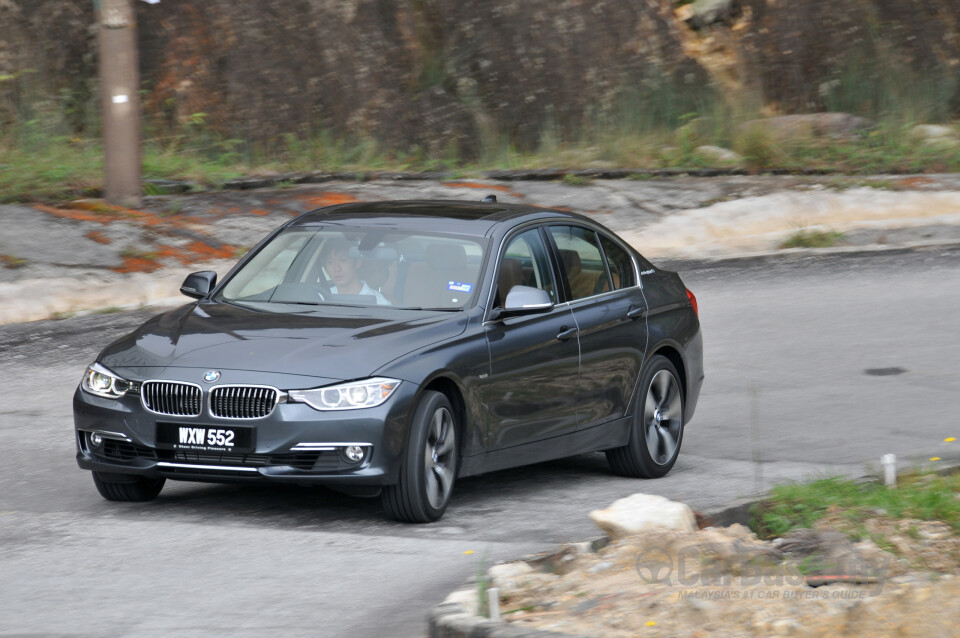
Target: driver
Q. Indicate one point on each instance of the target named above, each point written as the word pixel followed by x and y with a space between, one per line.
pixel 342 269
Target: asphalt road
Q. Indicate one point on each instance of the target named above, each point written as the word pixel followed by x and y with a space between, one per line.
pixel 787 347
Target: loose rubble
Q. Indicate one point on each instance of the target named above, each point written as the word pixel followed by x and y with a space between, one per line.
pixel 727 582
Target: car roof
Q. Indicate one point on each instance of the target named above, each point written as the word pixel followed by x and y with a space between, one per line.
pixel 457 216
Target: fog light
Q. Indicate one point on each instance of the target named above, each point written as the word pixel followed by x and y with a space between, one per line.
pixel 95 439
pixel 354 453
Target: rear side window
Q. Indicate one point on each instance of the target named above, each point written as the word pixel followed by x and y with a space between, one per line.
pixel 581 260
pixel 619 262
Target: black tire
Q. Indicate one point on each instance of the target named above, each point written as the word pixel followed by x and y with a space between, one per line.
pixel 657 430
pixel 128 488
pixel 429 465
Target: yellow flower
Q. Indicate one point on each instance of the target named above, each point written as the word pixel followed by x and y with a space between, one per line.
pixel 651 623
pixel 469 551
pixel 949 439
pixel 934 458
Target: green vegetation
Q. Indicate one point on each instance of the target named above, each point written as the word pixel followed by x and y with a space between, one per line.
pixel 49 149
pixel 483 583
pixel 576 180
pixel 813 239
pixel 922 496
pixel 12 262
pixel 58 167
pixel 132 253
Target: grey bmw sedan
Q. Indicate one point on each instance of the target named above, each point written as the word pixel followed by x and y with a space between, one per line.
pixel 390 348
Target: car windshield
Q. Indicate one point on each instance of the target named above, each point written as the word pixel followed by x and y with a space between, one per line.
pixel 334 265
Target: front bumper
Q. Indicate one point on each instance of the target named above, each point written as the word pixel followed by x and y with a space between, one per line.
pixel 295 443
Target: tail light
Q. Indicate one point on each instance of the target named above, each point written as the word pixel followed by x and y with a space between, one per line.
pixel 693 302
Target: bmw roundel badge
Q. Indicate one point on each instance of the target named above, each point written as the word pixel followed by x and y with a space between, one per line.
pixel 211 375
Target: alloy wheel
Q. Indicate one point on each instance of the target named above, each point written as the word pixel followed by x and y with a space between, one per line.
pixel 662 417
pixel 439 463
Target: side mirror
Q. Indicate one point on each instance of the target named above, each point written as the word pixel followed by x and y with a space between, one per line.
pixel 199 284
pixel 525 300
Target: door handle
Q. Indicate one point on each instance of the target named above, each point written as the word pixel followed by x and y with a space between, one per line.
pixel 566 333
pixel 636 313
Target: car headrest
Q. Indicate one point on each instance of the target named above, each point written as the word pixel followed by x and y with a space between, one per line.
pixel 446 256
pixel 571 261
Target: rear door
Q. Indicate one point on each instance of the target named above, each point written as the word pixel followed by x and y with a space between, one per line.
pixel 534 360
pixel 600 280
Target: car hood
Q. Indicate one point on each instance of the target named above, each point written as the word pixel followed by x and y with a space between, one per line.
pixel 339 344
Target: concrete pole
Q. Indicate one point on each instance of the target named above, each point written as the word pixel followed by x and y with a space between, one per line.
pixel 120 101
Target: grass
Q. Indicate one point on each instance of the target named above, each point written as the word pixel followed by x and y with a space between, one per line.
pixel 648 129
pixel 57 167
pixel 133 253
pixel 805 238
pixel 921 496
pixel 576 180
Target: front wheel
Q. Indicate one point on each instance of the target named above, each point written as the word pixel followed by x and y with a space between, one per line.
pixel 127 488
pixel 429 465
pixel 657 425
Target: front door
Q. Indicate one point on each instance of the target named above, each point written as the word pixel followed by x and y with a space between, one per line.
pixel 531 391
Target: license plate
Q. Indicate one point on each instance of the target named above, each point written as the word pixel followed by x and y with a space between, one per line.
pixel 204 438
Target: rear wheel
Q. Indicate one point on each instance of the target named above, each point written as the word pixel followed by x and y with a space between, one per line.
pixel 657 425
pixel 429 465
pixel 118 487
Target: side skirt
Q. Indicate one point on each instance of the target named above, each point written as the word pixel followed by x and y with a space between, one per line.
pixel 600 437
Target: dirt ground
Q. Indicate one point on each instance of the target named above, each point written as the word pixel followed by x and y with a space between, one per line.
pixel 727 582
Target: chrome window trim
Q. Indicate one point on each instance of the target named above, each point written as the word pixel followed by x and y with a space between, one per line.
pixel 143 400
pixel 281 397
pixel 601 295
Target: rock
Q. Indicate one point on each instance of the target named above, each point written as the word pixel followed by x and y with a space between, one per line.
pixel 512 577
pixel 703 13
pixel 936 135
pixel 809 125
pixel 933 131
pixel 507 571
pixel 466 599
pixel 638 512
pixel 719 154
pixel 804 542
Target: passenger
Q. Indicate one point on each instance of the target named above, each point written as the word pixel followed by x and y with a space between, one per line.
pixel 342 269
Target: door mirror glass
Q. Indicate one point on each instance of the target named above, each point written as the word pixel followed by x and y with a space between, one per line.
pixel 525 300
pixel 199 284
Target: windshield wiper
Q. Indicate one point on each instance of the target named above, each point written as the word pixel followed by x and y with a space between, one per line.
pixel 429 309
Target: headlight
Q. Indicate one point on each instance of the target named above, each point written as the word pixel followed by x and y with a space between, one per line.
pixel 103 383
pixel 347 396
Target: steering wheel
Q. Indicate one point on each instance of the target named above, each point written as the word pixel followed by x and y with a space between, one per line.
pixel 323 288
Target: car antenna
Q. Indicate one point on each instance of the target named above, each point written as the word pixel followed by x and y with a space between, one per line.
pixel 490 199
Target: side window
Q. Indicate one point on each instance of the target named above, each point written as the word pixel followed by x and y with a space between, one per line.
pixel 581 260
pixel 619 262
pixel 524 263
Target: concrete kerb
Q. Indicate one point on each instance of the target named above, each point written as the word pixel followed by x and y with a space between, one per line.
pixel 456 617
pixel 166 187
